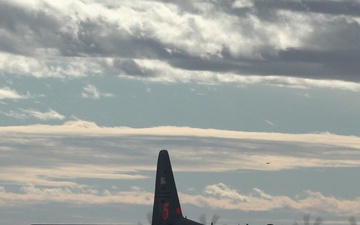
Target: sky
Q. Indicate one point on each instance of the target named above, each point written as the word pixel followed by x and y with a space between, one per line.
pixel 257 102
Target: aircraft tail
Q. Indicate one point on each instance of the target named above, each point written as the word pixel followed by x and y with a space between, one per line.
pixel 166 209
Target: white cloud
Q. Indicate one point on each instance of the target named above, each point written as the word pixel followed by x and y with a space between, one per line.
pixel 269 122
pixel 222 191
pixel 49 115
pixel 167 74
pixel 7 93
pixel 90 91
pixel 40 67
pixel 150 70
pixel 32 113
pixel 221 196
pixel 64 176
pixel 242 3
pixel 31 194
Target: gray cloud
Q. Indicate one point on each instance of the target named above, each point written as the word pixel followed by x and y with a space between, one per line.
pixel 265 38
pixel 332 7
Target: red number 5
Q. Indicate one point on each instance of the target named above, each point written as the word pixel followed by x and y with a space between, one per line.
pixel 165 213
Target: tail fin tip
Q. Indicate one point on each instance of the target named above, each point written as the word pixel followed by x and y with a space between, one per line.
pixel 166 208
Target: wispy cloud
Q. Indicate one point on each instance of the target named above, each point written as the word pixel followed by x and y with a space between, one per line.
pixel 49 115
pixel 61 68
pixel 31 194
pixel 224 197
pixel 166 73
pixel 32 113
pixel 8 93
pixel 64 176
pixel 216 196
pixel 90 91
pixel 282 150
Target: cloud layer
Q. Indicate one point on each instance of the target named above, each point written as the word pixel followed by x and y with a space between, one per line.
pixel 51 163
pixel 287 43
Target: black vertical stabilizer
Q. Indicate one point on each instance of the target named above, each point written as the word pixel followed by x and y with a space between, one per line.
pixel 166 209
